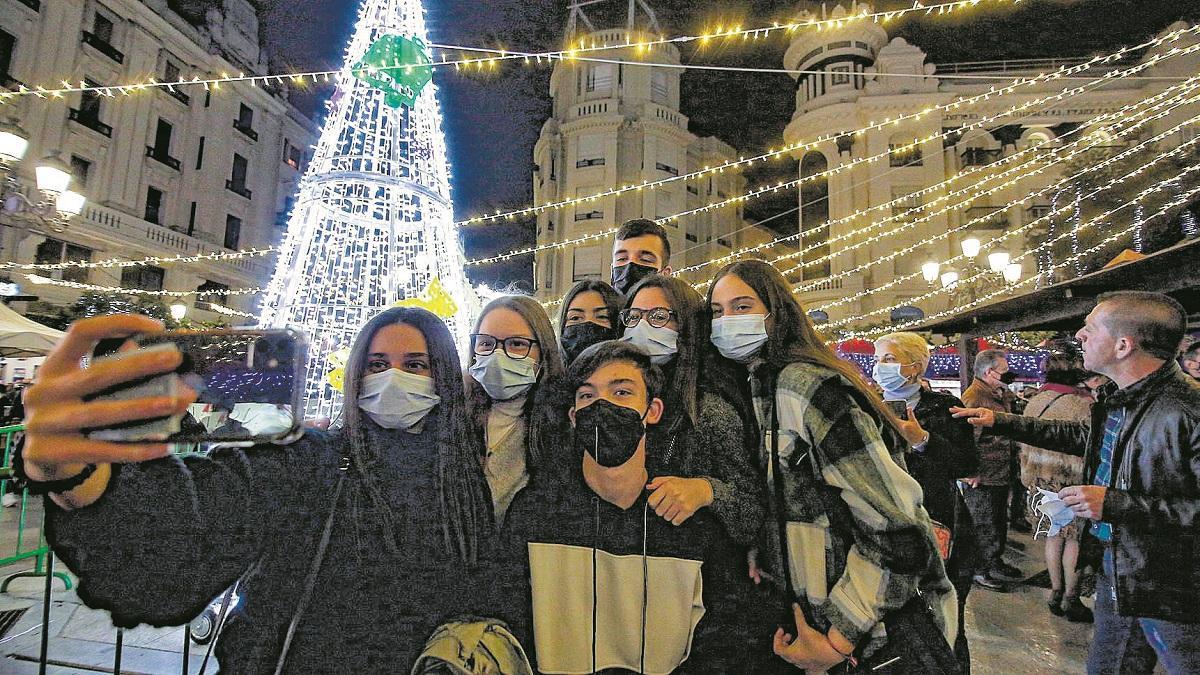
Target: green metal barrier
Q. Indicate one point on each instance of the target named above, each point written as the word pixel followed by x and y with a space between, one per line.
pixel 8 439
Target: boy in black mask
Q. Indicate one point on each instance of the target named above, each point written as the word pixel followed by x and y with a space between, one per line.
pixel 605 584
pixel 641 248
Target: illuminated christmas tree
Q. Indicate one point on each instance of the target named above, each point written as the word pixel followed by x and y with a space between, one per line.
pixel 372 224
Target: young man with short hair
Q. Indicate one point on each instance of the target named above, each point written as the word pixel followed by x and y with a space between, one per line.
pixel 1141 451
pixel 603 582
pixel 641 248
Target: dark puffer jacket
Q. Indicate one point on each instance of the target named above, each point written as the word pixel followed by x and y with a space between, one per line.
pixel 1154 501
pixel 169 535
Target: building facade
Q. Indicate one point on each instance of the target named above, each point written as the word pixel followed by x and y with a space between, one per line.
pixel 614 125
pixel 182 171
pixel 855 76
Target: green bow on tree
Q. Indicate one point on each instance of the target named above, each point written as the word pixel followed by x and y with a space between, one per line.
pixel 398 66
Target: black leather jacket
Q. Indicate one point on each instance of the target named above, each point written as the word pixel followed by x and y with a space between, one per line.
pixel 1154 502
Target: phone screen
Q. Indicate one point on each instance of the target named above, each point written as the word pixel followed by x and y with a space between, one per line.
pixel 899 407
pixel 248 384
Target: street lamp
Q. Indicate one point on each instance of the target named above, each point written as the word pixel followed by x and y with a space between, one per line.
pixel 930 271
pixel 57 204
pixel 178 311
pixel 950 278
pixel 998 260
pixel 1012 272
pixel 970 247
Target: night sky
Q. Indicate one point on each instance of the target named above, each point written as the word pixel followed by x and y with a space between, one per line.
pixel 492 121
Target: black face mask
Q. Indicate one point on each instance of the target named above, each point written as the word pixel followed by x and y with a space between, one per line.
pixel 1007 377
pixel 625 277
pixel 608 432
pixel 580 336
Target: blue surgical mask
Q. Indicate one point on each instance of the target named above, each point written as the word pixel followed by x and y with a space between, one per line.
pixel 740 337
pixel 503 377
pixel 660 343
pixel 895 385
pixel 1053 507
pixel 395 399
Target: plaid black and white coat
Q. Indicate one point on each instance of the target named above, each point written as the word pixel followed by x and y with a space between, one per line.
pixel 859 540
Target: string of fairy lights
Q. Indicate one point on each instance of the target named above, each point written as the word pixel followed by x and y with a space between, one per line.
pixel 496 55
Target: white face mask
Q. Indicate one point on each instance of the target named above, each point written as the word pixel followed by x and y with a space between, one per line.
pixel 660 343
pixel 1054 508
pixel 739 337
pixel 395 399
pixel 503 377
pixel 262 419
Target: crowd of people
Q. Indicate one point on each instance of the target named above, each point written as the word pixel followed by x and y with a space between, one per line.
pixel 670 483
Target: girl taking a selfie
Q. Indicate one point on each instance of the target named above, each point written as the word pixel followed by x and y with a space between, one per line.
pixel 349 547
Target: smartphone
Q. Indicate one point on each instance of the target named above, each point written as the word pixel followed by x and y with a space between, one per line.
pixel 249 385
pixel 899 407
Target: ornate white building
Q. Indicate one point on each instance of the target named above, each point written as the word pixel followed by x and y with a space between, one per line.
pixel 165 172
pixel 863 78
pixel 614 125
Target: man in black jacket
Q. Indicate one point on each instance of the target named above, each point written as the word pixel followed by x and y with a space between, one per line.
pixel 1141 453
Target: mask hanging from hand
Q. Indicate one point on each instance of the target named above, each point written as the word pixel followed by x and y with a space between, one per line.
pixel 740 337
pixel 608 432
pixel 660 343
pixel 1053 508
pixel 578 337
pixel 395 399
pixel 503 377
pixel 625 277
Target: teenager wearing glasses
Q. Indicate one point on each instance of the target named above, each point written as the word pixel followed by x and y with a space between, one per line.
pixel 702 435
pixel 514 356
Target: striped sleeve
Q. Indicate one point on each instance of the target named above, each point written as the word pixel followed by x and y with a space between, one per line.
pixel 893 546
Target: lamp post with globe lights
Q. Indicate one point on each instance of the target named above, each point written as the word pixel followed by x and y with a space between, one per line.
pixel 55 204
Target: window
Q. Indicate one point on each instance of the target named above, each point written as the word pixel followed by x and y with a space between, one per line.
pixel 8 44
pixel 102 28
pixel 840 75
pixel 292 156
pixel 905 200
pixel 659 92
pixel 54 252
pixel 587 263
pixel 902 154
pixel 145 277
pixel 154 203
pixel 599 77
pixel 200 154
pixel 170 72
pixel 666 168
pixel 207 97
pixel 245 122
pixel 591 151
pixel 237 177
pixel 162 138
pixel 192 220
pixel 233 232
pixel 220 297
pixel 89 103
pixel 690 237
pixel 80 168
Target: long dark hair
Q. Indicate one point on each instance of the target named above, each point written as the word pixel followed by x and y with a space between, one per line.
pixel 692 316
pixel 612 300
pixel 539 405
pixel 463 498
pixel 793 338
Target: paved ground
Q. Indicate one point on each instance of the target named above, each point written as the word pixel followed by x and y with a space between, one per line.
pixel 1009 632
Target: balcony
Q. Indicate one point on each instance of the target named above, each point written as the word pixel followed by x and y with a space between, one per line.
pixel 162 157
pixel 989 217
pixel 584 163
pixel 89 120
pixel 176 94
pixel 103 47
pixel 238 188
pixel 246 130
pixel 979 156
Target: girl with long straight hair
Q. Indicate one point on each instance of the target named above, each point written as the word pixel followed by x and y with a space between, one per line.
pixel 348 547
pixel 852 548
pixel 588 315
pixel 514 367
pixel 701 440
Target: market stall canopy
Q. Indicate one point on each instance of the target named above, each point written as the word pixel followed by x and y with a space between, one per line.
pixel 21 337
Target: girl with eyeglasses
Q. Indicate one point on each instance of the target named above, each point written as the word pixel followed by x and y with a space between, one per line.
pixel 514 363
pixel 701 443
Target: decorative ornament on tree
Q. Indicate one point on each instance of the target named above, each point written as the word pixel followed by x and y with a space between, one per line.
pixel 435 298
pixel 373 222
pixel 398 66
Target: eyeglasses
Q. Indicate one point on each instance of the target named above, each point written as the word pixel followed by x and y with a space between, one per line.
pixel 516 347
pixel 658 316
